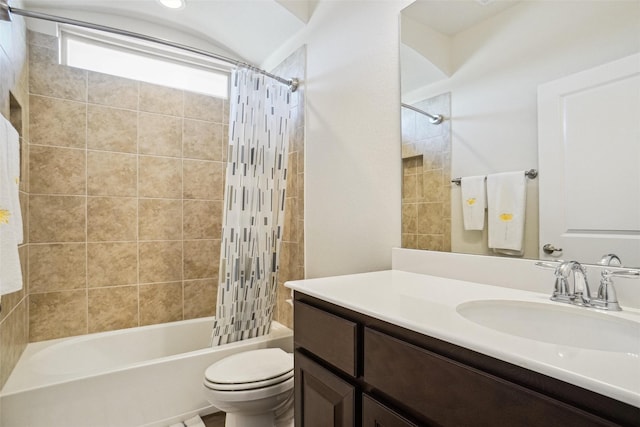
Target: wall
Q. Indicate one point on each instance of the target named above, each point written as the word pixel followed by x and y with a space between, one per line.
pixel 497 66
pixel 292 247
pixel 352 140
pixel 426 172
pixel 126 200
pixel 14 74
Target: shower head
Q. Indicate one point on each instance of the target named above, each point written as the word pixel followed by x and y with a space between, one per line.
pixel 5 12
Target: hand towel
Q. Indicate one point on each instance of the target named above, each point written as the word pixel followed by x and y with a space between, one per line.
pixel 473 193
pixel 13 152
pixel 10 271
pixel 506 200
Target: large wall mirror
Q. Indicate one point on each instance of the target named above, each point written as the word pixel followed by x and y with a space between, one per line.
pixel 482 65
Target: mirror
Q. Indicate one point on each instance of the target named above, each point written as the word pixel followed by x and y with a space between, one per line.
pixel 479 63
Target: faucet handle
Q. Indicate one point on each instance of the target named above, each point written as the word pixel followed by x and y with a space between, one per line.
pixel 630 273
pixel 610 259
pixel 549 265
pixel 607 298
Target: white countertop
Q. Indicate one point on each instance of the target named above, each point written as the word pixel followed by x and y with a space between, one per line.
pixel 427 304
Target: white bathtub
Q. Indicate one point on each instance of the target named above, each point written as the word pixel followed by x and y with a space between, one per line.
pixel 148 376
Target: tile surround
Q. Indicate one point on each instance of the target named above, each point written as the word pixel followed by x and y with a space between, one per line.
pixel 112 308
pixel 111 174
pixel 57 170
pixel 426 165
pixel 159 135
pixel 57 267
pixel 144 192
pixel 104 134
pixel 292 250
pixel 59 122
pixel 112 219
pixel 160 303
pixel 112 91
pixel 109 207
pixel 112 264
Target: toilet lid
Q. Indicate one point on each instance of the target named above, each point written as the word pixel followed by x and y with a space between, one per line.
pixel 249 386
pixel 251 367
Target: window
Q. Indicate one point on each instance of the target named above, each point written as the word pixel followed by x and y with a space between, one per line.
pixel 143 61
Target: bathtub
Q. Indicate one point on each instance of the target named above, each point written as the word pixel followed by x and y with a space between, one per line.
pixel 147 376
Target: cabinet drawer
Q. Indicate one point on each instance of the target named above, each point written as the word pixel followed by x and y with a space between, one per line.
pixel 329 337
pixel 448 393
pixel 375 414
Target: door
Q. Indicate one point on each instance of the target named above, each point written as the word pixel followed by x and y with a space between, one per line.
pixel 322 399
pixel 589 162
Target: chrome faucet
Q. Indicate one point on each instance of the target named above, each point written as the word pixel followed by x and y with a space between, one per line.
pixel 577 291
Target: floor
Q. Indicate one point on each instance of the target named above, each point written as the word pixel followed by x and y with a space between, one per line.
pixel 214 420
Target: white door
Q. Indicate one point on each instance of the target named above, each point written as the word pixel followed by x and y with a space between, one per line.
pixel 589 162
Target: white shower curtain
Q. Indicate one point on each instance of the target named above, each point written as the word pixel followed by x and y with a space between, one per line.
pixel 254 201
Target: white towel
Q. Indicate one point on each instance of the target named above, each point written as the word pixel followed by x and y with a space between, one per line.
pixel 506 200
pixel 13 157
pixel 10 215
pixel 474 203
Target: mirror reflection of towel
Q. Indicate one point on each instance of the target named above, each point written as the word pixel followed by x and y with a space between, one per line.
pixel 473 193
pixel 506 204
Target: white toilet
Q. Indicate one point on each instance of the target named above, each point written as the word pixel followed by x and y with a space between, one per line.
pixel 254 388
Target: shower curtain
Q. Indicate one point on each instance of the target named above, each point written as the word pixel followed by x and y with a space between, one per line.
pixel 254 202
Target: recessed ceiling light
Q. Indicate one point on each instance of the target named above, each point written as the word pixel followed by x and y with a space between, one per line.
pixel 173 4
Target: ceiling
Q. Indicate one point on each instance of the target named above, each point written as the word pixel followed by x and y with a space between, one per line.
pixel 444 19
pixel 450 17
pixel 248 30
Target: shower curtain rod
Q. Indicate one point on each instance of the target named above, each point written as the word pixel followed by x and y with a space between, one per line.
pixel 436 120
pixel 6 11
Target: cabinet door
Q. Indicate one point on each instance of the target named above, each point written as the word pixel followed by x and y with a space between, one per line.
pixel 322 399
pixel 375 414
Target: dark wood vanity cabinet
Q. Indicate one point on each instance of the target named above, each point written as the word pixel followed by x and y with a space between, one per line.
pixel 354 370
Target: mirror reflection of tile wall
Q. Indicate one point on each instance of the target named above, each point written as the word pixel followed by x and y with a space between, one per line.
pixel 426 167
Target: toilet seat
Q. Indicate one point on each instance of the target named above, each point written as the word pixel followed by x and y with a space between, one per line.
pixel 250 370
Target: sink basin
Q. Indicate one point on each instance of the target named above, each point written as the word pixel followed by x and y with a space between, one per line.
pixel 556 324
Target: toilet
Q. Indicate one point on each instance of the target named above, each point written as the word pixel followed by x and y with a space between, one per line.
pixel 254 388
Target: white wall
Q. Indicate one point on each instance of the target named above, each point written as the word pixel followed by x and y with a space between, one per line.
pixel 497 66
pixel 352 158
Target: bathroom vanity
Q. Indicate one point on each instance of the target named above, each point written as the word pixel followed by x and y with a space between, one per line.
pixel 391 349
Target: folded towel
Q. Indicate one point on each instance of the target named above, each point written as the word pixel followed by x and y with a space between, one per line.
pixel 13 157
pixel 473 202
pixel 506 200
pixel 10 217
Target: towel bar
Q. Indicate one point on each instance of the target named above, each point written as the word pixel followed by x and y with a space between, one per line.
pixel 531 174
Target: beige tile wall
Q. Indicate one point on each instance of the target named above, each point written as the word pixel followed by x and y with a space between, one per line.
pixel 292 255
pixel 126 200
pixel 426 186
pixel 14 83
pixel 126 211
